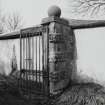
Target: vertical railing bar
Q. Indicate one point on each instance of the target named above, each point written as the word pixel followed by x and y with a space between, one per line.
pixel 45 56
pixel 23 53
pixel 22 75
pixel 24 38
pixel 33 56
pixel 28 60
pixel 43 62
pixel 26 64
pixel 21 63
pixel 40 64
pixel 22 57
pixel 32 44
pixel 39 59
pixel 22 60
pixel 36 59
pixel 48 60
pixel 20 79
pixel 29 43
pixel 31 60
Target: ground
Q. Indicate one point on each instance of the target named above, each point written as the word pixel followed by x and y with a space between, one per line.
pixel 83 94
pixel 9 92
pixel 76 94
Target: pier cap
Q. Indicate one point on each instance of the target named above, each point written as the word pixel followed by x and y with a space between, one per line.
pixel 54 11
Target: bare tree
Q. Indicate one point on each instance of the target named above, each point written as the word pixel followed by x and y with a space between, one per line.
pixel 13 22
pixel 10 23
pixel 1 26
pixel 2 23
pixel 89 6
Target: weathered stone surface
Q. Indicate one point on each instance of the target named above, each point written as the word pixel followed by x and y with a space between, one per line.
pixel 61 56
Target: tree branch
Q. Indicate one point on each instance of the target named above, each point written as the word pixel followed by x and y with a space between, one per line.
pixel 84 6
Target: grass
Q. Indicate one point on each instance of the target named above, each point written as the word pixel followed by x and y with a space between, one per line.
pixel 9 92
pixel 76 94
pixel 83 94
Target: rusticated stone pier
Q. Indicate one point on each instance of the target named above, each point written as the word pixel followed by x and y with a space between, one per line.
pixel 61 47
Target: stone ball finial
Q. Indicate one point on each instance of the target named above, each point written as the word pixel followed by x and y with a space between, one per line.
pixel 54 11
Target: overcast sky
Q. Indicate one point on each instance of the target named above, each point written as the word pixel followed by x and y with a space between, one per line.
pixel 32 11
pixel 90 43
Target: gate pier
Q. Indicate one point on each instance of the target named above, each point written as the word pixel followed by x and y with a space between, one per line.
pixel 61 46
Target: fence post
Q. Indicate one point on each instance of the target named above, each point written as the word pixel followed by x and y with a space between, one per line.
pixel 61 44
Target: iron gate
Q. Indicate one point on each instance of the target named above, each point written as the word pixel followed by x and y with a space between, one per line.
pixel 34 75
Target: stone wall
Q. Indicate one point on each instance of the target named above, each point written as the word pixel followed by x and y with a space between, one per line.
pixel 91 55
